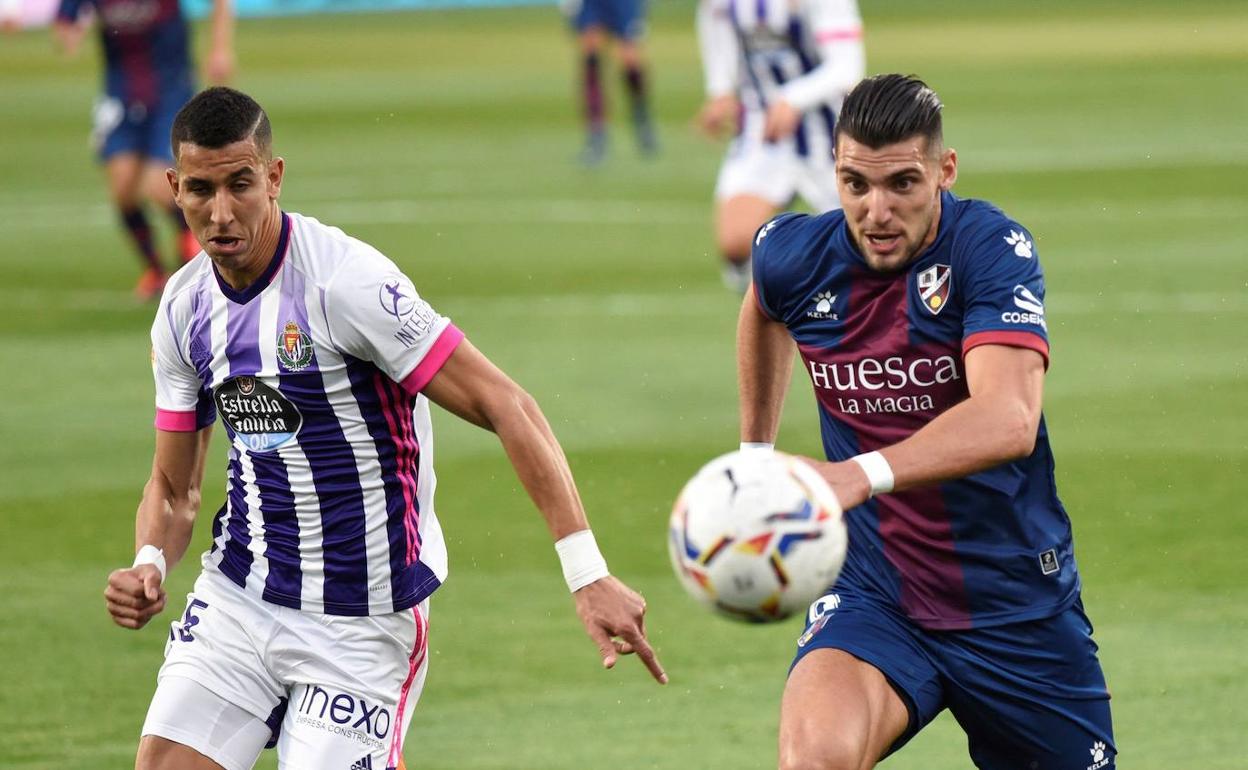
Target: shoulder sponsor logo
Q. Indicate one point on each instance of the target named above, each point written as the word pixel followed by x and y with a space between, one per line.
pixel 294 348
pixel 1022 246
pixel 396 298
pixel 1030 309
pixel 824 301
pixel 261 418
pixel 414 316
pixel 934 287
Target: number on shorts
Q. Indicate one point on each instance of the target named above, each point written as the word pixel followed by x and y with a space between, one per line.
pixel 189 621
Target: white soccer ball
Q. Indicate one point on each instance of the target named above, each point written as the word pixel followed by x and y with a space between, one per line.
pixel 757 535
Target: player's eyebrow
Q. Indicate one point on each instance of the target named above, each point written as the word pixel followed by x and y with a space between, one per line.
pixel 246 171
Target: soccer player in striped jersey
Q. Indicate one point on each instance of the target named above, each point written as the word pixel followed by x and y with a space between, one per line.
pixel 308 625
pixel 919 317
pixel 776 71
pixel 148 76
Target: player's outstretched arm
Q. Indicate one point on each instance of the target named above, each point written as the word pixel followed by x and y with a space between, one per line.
pixel 219 66
pixel 163 527
pixel 471 387
pixel 998 423
pixel 764 368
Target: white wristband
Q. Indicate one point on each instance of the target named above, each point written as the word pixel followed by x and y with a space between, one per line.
pixel 749 446
pixel 581 560
pixel 879 472
pixel 150 554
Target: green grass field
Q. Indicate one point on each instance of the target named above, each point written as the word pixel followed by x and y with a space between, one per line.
pixel 446 139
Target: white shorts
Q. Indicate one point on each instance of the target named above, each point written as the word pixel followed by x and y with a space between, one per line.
pixel 775 172
pixel 335 692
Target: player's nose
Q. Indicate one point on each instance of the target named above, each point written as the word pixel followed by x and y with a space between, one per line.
pixel 879 207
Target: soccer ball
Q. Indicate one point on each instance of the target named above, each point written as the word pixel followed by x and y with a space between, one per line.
pixel 757 535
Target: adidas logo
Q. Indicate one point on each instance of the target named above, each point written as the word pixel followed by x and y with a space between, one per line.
pixel 363 763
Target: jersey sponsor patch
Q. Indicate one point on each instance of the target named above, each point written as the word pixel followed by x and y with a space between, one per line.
pixel 934 286
pixel 413 317
pixel 261 418
pixel 1021 244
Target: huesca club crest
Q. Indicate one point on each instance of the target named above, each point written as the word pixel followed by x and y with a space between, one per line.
pixel 294 348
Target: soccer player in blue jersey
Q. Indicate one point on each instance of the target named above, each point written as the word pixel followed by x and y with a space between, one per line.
pixel 776 72
pixel 308 624
pixel 919 319
pixel 148 76
pixel 597 23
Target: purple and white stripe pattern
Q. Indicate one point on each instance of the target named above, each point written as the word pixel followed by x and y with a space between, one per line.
pixel 316 373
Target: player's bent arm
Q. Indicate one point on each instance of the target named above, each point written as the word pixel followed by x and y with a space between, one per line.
pixel 996 424
pixel 471 387
pixel 171 497
pixel 163 525
pixel 764 368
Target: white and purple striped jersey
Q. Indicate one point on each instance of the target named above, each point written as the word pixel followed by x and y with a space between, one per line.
pixel 316 371
pixel 808 52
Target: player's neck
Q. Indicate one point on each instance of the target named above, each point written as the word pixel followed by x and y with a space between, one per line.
pixel 263 252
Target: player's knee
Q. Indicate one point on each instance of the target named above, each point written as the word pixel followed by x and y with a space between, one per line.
pixel 733 244
pixel 823 750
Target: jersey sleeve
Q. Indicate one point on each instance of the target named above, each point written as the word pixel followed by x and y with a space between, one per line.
pixel 721 53
pixel 779 264
pixel 1004 290
pixel 837 30
pixel 183 404
pixel 376 315
pixel 68 10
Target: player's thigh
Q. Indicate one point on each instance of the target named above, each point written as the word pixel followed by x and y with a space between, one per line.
pixel 737 218
pixel 356 681
pixel 870 685
pixel 1033 694
pixel 155 183
pixel 218 643
pixel 838 713
pixel 124 172
pixel 189 727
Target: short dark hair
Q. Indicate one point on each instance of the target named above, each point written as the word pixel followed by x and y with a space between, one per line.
pixel 886 109
pixel 219 116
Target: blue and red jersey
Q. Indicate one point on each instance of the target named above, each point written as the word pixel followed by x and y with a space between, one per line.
pixel 147 49
pixel 884 352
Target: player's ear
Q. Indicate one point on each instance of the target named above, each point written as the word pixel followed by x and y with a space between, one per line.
pixel 276 172
pixel 171 175
pixel 948 168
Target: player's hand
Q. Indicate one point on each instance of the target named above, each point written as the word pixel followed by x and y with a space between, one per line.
pixel 781 122
pixel 219 67
pixel 614 617
pixel 720 116
pixel 848 481
pixel 134 595
pixel 68 35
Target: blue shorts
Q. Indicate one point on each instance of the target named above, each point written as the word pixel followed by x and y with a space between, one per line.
pixel 1028 694
pixel 137 128
pixel 626 19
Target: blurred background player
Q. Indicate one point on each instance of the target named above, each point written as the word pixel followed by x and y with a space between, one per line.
pixel 597 22
pixel 919 317
pixel 148 76
pixel 776 72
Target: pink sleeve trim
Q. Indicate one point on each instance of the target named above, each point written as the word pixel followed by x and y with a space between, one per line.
pixel 1027 340
pixel 446 343
pixel 180 422
pixel 837 35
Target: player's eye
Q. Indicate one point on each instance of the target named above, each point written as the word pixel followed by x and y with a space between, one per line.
pixel 856 186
